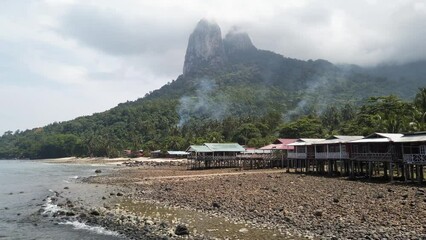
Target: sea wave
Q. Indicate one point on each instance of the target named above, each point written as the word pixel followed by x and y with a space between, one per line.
pixel 50 208
pixel 98 230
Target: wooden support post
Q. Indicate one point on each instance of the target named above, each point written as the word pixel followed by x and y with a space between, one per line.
pixel 391 171
pixel 370 170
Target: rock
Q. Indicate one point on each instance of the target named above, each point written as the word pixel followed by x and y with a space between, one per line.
pixel 243 230
pixel 181 230
pixel 103 198
pixel 335 200
pixel 215 205
pixel 95 213
pixel 237 41
pixel 404 195
pixel 70 214
pixel 119 194
pixel 98 171
pixel 205 48
pixel 66 188
pixel 380 195
pixel 318 213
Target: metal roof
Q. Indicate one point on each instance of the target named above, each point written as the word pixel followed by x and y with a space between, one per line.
pixel 306 141
pixel 198 148
pixel 419 137
pixel 280 144
pixel 177 153
pixel 339 139
pixel 277 147
pixel 372 140
pixel 224 147
pixel 380 137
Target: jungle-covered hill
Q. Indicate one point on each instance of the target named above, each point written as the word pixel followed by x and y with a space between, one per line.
pixel 232 91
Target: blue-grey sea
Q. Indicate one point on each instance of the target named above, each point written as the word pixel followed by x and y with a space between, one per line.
pixel 24 185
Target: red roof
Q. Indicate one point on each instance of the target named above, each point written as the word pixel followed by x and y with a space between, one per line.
pixel 280 144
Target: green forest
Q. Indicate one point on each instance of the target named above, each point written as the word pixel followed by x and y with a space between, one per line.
pixel 155 125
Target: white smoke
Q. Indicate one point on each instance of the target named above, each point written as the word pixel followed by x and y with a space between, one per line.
pixel 206 103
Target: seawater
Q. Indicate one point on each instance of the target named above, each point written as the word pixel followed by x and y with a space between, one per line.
pixel 24 185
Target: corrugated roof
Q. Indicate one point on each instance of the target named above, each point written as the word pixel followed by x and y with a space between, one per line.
pixel 420 137
pixel 306 141
pixel 285 141
pixel 177 153
pixel 372 140
pixel 225 147
pixel 339 139
pixel 380 137
pixel 198 148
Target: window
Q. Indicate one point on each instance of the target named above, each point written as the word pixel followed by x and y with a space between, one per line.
pixel 422 149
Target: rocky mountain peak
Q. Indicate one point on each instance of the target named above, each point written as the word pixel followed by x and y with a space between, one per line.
pixel 237 41
pixel 205 48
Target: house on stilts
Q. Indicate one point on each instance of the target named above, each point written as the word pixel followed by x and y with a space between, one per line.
pixel 375 154
pixel 414 155
pixel 278 151
pixel 332 154
pixel 214 155
pixel 303 154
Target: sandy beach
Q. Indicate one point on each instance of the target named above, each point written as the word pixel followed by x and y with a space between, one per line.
pixel 159 197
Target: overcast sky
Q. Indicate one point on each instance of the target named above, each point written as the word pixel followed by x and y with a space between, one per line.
pixel 60 59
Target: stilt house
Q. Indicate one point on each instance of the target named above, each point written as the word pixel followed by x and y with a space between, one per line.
pixel 375 152
pixel 303 153
pixel 333 152
pixel 214 155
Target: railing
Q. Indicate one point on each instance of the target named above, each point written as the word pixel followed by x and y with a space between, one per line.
pixel 373 156
pixel 414 158
pixel 296 155
pixel 331 155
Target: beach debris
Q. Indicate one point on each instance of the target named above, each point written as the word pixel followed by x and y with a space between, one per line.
pixel 243 230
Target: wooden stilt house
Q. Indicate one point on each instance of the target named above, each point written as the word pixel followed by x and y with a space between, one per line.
pixel 414 155
pixel 303 154
pixel 333 153
pixel 279 149
pixel 211 155
pixel 375 154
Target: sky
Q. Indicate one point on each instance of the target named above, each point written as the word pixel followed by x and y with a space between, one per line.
pixel 60 59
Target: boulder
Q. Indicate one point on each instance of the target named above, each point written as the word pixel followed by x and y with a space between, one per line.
pixel 181 230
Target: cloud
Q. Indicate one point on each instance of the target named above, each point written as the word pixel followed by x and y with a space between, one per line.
pixel 88 56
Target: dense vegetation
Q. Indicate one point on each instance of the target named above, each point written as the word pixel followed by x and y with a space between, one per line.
pixel 258 97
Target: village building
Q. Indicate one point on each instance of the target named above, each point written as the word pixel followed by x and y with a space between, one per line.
pixel 414 155
pixel 376 153
pixel 279 149
pixel 333 153
pixel 303 154
pixel 214 155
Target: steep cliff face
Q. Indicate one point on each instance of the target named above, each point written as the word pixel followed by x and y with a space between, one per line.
pixel 205 48
pixel 237 41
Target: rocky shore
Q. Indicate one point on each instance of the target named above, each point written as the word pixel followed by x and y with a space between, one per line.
pixel 156 201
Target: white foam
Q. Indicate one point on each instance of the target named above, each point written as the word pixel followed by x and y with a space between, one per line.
pixel 50 208
pixel 74 177
pixel 98 230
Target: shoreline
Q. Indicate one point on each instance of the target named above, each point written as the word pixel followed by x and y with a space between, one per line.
pixel 285 205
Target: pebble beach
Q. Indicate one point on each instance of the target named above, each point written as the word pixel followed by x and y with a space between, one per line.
pixel 152 200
